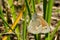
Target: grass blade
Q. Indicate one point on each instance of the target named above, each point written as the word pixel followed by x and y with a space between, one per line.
pixel 55 30
pixel 2 17
pixel 37 37
pixel 24 25
pixel 49 11
pixel 5 23
pixel 28 8
pixel 12 9
pixel 51 36
pixel 14 25
pixel 33 6
pixel 44 9
pixel 14 18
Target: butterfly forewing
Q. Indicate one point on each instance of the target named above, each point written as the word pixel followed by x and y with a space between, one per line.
pixel 33 27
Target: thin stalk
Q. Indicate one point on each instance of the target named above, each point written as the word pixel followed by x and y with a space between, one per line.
pixel 24 16
pixel 5 23
pixel 5 26
pixel 15 21
pixel 3 19
pixel 49 11
pixel 1 15
pixel 37 37
pixel 44 9
pixel 55 30
pixel 24 25
pixel 17 28
pixel 33 6
pixel 14 25
pixel 17 31
pixel 50 37
pixel 10 3
pixel 14 18
pixel 28 8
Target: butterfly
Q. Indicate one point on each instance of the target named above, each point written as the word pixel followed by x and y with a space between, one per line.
pixel 38 25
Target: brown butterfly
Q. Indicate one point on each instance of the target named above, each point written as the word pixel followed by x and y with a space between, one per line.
pixel 38 25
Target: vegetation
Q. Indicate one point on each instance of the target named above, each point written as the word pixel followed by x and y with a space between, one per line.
pixel 26 9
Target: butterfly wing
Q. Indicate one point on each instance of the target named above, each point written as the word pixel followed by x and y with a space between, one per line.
pixel 45 28
pixel 38 25
pixel 33 27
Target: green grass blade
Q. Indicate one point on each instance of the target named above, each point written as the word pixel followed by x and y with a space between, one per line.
pixel 37 37
pixel 28 8
pixel 5 23
pixel 44 9
pixel 33 6
pixel 53 33
pixel 2 17
pixel 17 31
pixel 49 11
pixel 55 30
pixel 10 2
pixel 48 37
pixel 47 7
pixel 24 25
